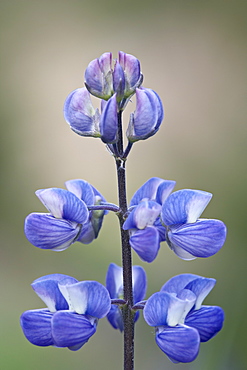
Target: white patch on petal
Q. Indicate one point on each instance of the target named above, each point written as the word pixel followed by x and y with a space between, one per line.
pixel 65 293
pixel 76 297
pixel 118 278
pixel 197 205
pixel 74 188
pixel 52 201
pixel 50 303
pixel 175 312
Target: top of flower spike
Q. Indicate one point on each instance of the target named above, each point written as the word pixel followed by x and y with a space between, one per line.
pixel 102 80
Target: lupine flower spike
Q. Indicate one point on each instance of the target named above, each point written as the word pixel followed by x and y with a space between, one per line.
pixel 154 215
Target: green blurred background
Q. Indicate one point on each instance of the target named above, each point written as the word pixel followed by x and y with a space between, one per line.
pixel 193 53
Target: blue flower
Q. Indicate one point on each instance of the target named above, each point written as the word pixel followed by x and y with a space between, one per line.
pixel 156 216
pixel 187 235
pixel 73 310
pixel 114 284
pixel 146 231
pixel 69 219
pixel 180 319
pixel 147 118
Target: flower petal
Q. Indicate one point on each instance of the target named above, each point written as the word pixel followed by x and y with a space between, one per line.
pixel 146 243
pixel 203 238
pixel 109 121
pixel 184 206
pixel 98 197
pixel 190 298
pixel 46 287
pixel 46 232
pixel 164 190
pixel 93 77
pixel 163 309
pixel 201 288
pixel 118 80
pixel 180 252
pixel 115 318
pixel 143 123
pixel 70 329
pixel 161 229
pixel 87 297
pixel 147 191
pixel 80 114
pixel 180 343
pixel 91 196
pixel 98 76
pixel 131 67
pixel 208 321
pixel 143 215
pixel 87 234
pixel 63 204
pixel 114 281
pixel 177 283
pixel 139 283
pixel 160 110
pixel 82 189
pixel 36 326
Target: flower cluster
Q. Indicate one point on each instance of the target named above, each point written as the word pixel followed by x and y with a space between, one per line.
pixel 155 214
pixel 114 86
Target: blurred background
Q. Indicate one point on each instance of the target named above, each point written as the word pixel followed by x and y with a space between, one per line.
pixel 193 53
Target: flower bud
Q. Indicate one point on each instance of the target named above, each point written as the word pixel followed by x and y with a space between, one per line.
pixel 118 81
pixel 109 121
pixel 147 117
pixel 132 72
pixel 98 77
pixel 80 114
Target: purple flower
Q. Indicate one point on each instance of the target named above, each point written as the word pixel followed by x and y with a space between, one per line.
pixel 146 231
pixel 114 284
pixel 186 234
pixel 69 219
pixel 83 119
pixel 148 115
pixel 181 321
pixel 80 114
pixel 73 310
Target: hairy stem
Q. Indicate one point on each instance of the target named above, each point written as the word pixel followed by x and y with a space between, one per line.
pixel 128 316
